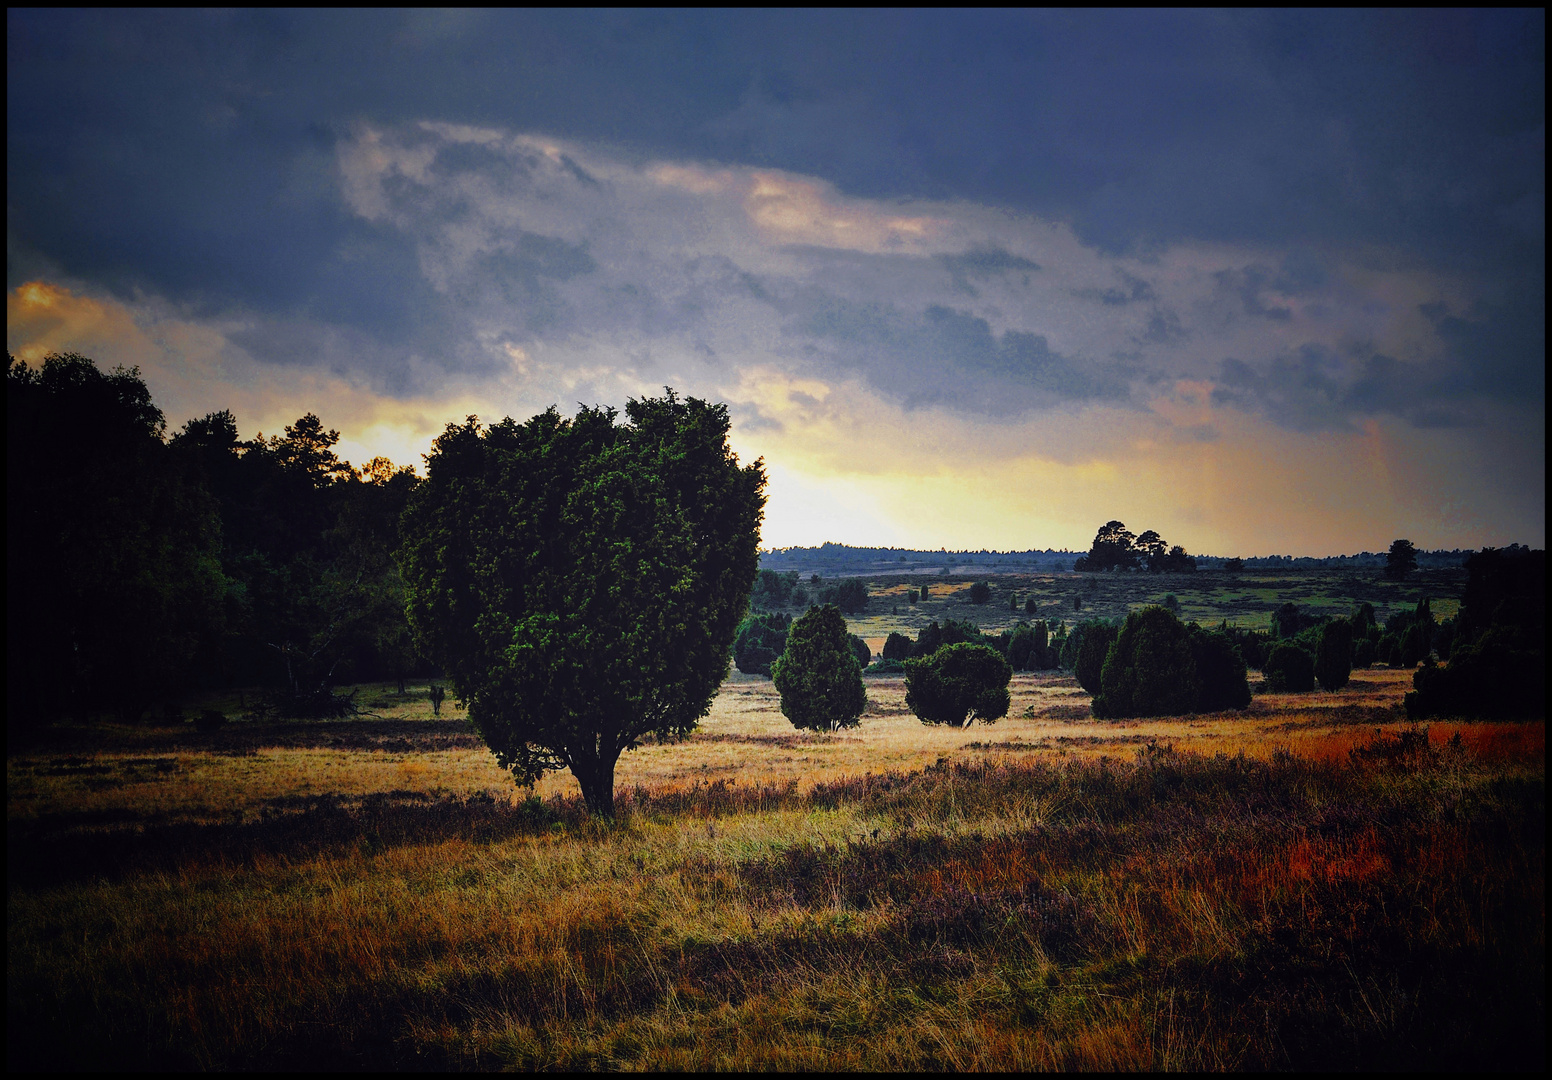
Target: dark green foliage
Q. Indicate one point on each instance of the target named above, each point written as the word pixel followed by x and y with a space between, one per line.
pixel 308 544
pixel 113 574
pixel 1030 606
pixel 1444 638
pixel 1401 560
pixel 759 641
pixel 1150 670
pixel 1094 641
pixel 1497 644
pixel 958 684
pixel 1364 653
pixel 1362 620
pixel 1333 657
pixel 980 592
pixel 924 592
pixel 1021 643
pixel 860 647
pixel 1497 677
pixel 209 720
pixel 818 677
pixel 1077 603
pixel 952 631
pixel 1234 565
pixel 885 667
pixel 1289 669
pixel 1220 671
pixel 1413 647
pixel 849 594
pixel 1288 621
pixel 1388 650
pixel 773 590
pixel 897 646
pixel 1172 603
pixel 1253 645
pixel 799 597
pixel 1506 588
pixel 582 581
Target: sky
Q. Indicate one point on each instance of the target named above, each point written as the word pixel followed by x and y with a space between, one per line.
pixel 1264 282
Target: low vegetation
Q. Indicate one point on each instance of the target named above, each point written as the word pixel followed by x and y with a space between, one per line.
pixel 1370 900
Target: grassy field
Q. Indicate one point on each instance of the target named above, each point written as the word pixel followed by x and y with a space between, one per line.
pixel 1247 598
pixel 1307 884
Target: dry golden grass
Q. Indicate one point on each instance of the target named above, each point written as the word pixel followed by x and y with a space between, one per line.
pixel 428 916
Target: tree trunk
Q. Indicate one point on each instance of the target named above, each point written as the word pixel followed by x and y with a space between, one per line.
pixel 595 774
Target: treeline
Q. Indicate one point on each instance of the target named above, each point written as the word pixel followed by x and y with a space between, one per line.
pixel 141 568
pixel 1493 651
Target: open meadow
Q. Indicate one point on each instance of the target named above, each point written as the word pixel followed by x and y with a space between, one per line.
pixel 1307 884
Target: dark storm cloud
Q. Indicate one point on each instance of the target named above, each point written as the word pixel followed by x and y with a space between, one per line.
pixel 981 263
pixel 191 155
pixel 1315 389
pixel 943 356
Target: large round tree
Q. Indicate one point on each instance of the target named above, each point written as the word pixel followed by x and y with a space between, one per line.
pixel 958 684
pixel 581 581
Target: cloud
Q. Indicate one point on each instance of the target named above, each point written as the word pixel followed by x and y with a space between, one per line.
pixel 1022 221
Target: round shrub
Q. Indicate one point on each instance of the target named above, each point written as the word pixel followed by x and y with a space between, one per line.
pixel 980 592
pixel 897 647
pixel 1150 670
pixel 818 677
pixel 1334 656
pixel 1289 669
pixel 958 685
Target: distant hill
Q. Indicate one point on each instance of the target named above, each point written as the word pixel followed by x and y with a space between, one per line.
pixel 843 560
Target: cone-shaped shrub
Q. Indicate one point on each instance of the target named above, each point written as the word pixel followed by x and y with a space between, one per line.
pixel 1093 647
pixel 958 684
pixel 1334 657
pixel 818 677
pixel 1150 670
pixel 1363 653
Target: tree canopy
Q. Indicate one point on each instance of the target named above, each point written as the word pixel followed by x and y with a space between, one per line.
pixel 1115 548
pixel 581 581
pixel 113 571
pixel 959 684
pixel 1401 560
